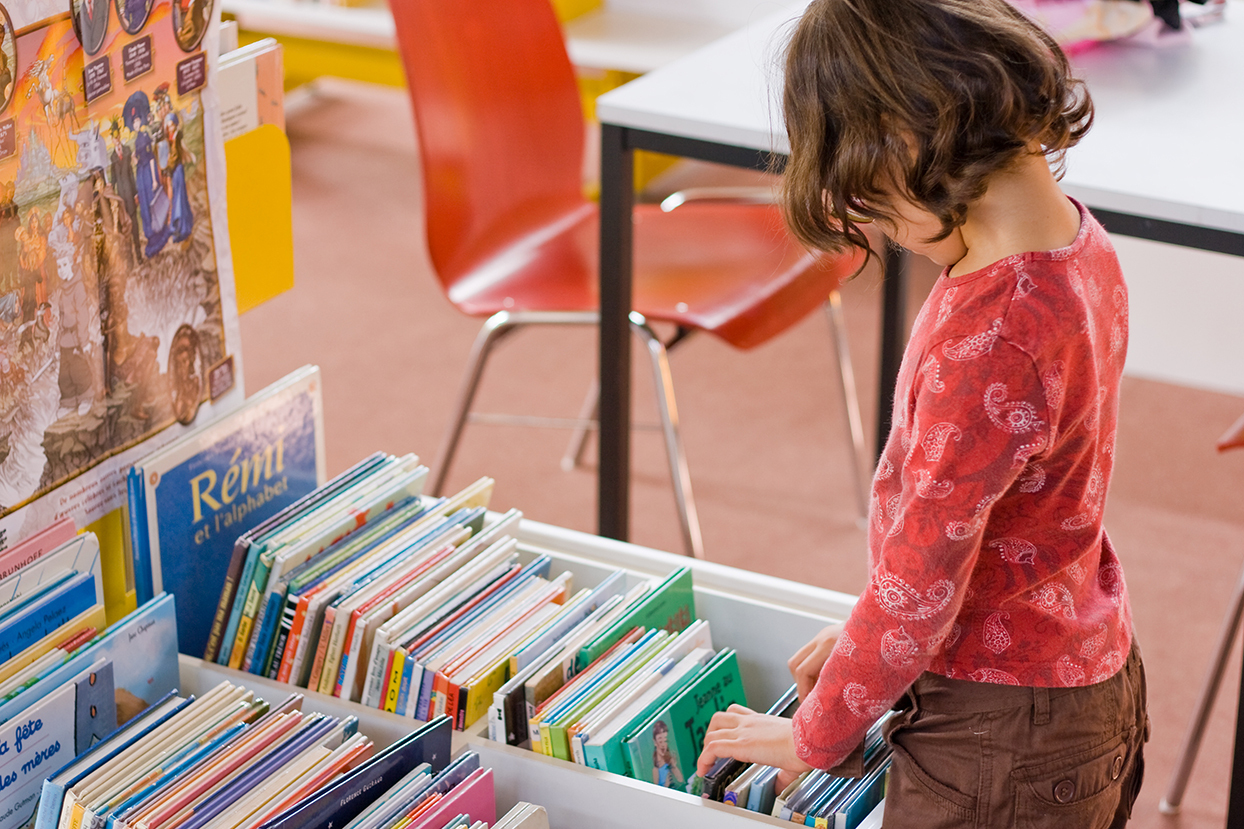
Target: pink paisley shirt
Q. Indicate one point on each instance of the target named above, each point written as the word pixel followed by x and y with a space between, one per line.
pixel 987 558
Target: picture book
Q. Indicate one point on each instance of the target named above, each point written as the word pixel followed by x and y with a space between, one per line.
pixel 51 733
pixel 241 548
pixel 192 500
pixel 341 802
pixel 142 649
pixel 664 749
pixel 80 554
pixel 670 606
pixel 117 312
pixel 30 550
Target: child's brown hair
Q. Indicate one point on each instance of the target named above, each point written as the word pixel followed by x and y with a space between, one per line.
pixel 919 99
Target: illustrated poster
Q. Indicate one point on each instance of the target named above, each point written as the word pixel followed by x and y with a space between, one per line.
pixel 117 311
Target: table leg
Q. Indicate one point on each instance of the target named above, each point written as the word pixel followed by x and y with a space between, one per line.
pixel 617 197
pixel 893 337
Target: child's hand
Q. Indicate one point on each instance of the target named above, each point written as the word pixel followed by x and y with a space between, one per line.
pixel 805 666
pixel 743 734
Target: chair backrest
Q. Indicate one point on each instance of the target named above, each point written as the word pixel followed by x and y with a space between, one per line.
pixel 498 119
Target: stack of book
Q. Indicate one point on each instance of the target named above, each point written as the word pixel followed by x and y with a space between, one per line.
pixel 816 798
pixel 229 760
pixel 67 679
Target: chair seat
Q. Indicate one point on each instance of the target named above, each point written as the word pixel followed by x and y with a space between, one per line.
pixel 729 269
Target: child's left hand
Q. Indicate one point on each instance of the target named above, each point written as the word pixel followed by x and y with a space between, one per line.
pixel 743 734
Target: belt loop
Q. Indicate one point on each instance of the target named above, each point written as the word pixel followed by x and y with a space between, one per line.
pixel 1040 706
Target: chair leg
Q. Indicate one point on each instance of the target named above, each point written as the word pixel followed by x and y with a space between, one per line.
pixel 679 473
pixel 590 411
pixel 1173 800
pixel 846 379
pixel 494 328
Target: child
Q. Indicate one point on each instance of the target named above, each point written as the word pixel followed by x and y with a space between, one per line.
pixel 996 609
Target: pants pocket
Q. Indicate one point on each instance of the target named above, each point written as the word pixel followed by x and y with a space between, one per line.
pixel 914 798
pixel 1080 789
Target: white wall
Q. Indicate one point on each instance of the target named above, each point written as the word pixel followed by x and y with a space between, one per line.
pixel 1187 315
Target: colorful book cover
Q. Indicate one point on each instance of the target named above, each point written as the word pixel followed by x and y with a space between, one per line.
pixel 664 749
pixel 670 606
pixel 113 166
pixel 142 648
pixel 51 733
pixel 45 613
pixel 207 489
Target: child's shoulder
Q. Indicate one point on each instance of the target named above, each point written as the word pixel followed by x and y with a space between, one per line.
pixel 1045 303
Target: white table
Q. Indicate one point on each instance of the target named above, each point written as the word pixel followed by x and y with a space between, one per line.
pixel 1163 162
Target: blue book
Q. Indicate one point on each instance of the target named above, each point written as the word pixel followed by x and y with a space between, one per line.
pixel 203 491
pixel 45 612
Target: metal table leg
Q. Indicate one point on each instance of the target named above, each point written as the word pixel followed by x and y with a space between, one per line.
pixel 617 199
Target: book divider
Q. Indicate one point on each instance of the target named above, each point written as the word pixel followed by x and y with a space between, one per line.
pixel 764 619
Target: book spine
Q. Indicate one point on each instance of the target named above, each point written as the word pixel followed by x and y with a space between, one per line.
pixel 393 689
pixel 423 704
pixel 332 662
pixel 412 676
pixel 243 653
pixel 321 649
pixel 296 608
pixel 227 592
pixel 140 550
pixel 265 627
pixel 235 612
pixel 279 666
pixel 304 644
pixel 350 657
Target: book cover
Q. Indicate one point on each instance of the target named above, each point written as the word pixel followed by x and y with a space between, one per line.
pixel 30 550
pixel 670 606
pixel 78 555
pixel 50 734
pixel 142 648
pixel 207 489
pixel 45 613
pixel 664 749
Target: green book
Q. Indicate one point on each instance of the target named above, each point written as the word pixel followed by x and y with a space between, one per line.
pixel 670 606
pixel 664 749
pixel 607 750
pixel 596 693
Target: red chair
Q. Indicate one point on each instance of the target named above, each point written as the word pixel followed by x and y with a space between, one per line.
pixel 513 238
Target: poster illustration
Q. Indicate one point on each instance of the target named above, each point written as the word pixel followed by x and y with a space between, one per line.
pixel 115 303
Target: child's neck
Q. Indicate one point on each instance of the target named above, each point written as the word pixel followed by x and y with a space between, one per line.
pixel 1022 210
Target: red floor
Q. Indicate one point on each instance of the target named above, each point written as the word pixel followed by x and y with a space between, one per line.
pixel 764 430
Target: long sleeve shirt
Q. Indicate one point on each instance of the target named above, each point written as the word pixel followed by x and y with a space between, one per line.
pixel 987 557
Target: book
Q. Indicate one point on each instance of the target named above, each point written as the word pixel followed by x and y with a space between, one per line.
pixel 341 802
pixel 51 733
pixel 664 749
pixel 30 550
pixel 191 501
pixel 669 606
pixel 80 554
pixel 220 639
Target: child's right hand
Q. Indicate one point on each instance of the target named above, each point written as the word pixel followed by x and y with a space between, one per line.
pixel 805 666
